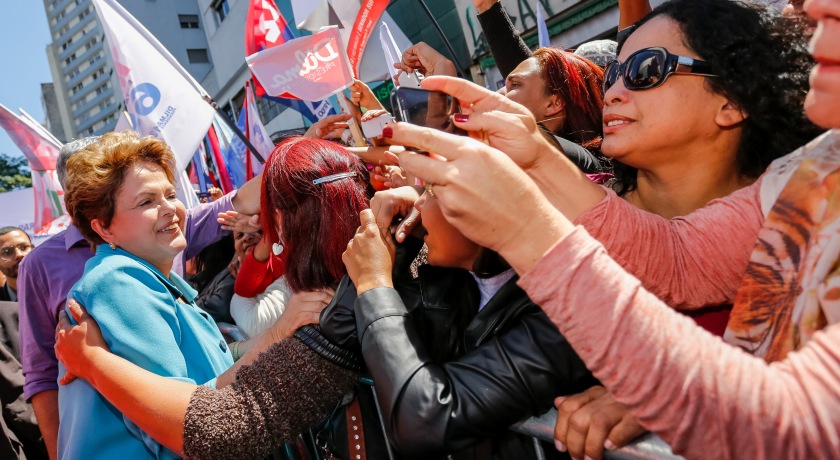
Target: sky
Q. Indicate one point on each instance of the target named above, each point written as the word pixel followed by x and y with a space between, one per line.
pixel 24 36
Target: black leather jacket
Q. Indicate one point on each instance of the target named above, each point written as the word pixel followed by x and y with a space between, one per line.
pixel 440 396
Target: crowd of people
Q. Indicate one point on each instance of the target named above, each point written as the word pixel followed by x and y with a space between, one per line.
pixel 642 234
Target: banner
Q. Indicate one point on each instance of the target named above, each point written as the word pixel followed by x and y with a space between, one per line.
pixel 161 98
pixel 41 151
pixel 369 14
pixel 355 20
pixel 309 68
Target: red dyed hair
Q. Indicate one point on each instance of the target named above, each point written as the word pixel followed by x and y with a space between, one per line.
pixel 317 220
pixel 577 81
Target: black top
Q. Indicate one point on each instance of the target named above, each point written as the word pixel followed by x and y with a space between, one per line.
pixel 506 46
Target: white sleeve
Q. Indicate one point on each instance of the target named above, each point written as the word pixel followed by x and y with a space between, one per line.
pixel 256 314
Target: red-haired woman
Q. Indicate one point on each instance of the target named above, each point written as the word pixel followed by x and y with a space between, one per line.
pixel 562 91
pixel 313 192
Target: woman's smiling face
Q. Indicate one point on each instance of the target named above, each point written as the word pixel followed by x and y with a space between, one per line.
pixel 649 127
pixel 148 218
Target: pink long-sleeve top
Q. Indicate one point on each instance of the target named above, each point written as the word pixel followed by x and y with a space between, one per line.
pixel 676 271
pixel 706 398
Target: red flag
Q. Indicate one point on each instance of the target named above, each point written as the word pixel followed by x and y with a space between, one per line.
pixel 265 28
pixel 224 177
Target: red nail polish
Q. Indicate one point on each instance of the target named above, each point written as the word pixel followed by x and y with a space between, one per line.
pixel 387 132
pixel 461 117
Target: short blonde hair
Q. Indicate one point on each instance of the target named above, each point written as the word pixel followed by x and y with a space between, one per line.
pixel 96 174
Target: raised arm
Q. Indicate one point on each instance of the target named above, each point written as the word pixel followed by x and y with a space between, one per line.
pixel 631 11
pixel 683 383
pixel 507 47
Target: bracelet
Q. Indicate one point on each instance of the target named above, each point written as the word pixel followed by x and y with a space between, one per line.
pixel 234 350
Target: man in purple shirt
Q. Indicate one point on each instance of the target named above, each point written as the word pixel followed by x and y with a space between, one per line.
pixel 50 270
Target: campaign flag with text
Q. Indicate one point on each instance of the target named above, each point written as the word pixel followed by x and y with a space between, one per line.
pixel 41 151
pixel 161 98
pixel 308 68
pixel 266 28
pixel 356 20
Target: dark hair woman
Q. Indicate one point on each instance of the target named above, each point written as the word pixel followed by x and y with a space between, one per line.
pixel 765 79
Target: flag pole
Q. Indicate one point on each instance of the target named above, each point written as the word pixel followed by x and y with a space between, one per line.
pixel 234 128
pixel 461 70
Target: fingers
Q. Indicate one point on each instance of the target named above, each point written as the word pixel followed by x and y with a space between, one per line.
pixel 63 321
pixel 368 219
pixel 68 377
pixel 627 430
pixel 494 121
pixel 341 117
pixel 408 224
pixel 425 168
pixel 392 156
pixel 465 91
pixel 566 407
pixel 76 310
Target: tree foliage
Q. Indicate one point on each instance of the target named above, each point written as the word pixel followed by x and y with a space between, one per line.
pixel 14 173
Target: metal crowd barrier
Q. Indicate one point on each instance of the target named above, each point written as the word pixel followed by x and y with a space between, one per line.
pixel 645 447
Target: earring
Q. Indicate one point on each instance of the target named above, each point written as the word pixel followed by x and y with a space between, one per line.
pixel 113 246
pixel 277 249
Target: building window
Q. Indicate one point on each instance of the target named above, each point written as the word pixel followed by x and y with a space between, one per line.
pixel 198 56
pixel 268 109
pixel 188 21
pixel 222 9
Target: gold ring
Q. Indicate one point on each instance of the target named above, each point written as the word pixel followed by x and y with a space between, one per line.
pixel 430 189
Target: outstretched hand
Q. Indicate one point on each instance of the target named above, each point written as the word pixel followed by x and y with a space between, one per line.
pixel 239 222
pixel 75 344
pixel 369 256
pixel 426 60
pixel 302 308
pixel 391 176
pixel 329 127
pixel 362 95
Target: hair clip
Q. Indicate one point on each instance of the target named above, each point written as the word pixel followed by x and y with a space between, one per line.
pixel 334 177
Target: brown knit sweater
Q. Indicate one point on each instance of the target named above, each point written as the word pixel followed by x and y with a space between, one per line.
pixel 287 390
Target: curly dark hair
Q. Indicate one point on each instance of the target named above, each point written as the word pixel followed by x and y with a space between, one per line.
pixel 762 62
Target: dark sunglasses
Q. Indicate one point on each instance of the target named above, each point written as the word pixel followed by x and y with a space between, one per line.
pixel 650 67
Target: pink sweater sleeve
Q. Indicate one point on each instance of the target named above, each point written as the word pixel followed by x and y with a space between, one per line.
pixel 688 262
pixel 704 397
